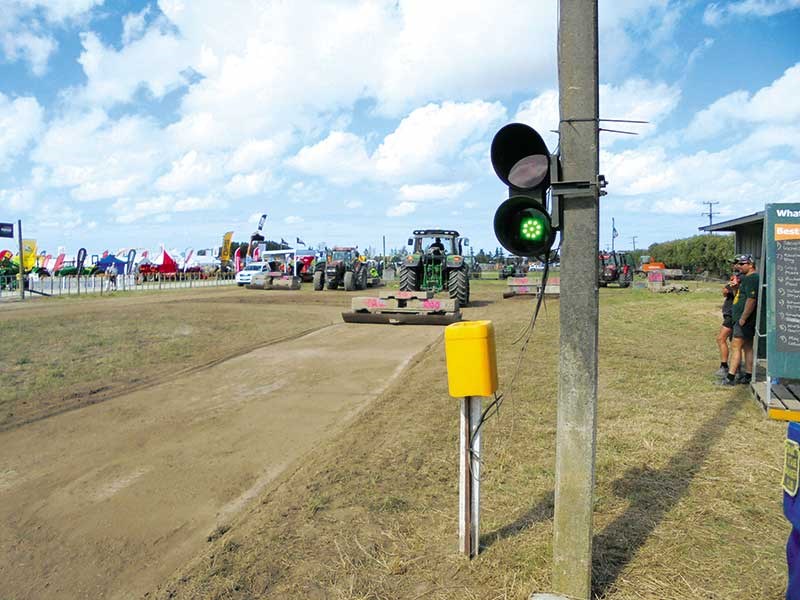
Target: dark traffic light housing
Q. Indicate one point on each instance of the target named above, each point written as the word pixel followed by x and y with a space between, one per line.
pixel 522 161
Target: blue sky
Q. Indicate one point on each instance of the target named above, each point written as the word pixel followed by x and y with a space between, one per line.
pixel 136 123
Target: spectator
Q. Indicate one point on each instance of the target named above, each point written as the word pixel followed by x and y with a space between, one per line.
pixel 726 330
pixel 744 321
pixel 111 273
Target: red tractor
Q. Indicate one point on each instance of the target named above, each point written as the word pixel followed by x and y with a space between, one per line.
pixel 616 267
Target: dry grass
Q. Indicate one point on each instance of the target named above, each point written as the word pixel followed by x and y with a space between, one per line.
pixel 58 354
pixel 688 479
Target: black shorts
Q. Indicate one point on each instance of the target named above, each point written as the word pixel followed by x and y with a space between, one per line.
pixel 746 331
pixel 727 321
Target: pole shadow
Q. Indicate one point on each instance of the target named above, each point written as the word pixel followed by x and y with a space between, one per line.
pixel 652 493
pixel 541 511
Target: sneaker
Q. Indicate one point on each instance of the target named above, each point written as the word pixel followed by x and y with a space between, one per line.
pixel 721 372
pixel 725 382
pixel 744 380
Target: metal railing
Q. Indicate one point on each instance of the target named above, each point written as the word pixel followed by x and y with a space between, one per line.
pixel 101 284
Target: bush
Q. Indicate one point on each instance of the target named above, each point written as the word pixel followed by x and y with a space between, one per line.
pixel 712 253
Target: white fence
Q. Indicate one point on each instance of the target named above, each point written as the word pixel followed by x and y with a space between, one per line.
pixel 100 284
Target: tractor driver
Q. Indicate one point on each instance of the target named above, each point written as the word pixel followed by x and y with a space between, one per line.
pixel 436 248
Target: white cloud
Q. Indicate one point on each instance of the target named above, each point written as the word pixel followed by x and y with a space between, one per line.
pixel 133 25
pixel 767 105
pixel 293 220
pixel 189 172
pixel 18 199
pixel 716 13
pixel 97 156
pixel 352 204
pixel 126 210
pixel 248 185
pixel 252 154
pixel 156 61
pixel 677 206
pixel 341 157
pixel 22 35
pixel 402 209
pixel 435 133
pixel 20 123
pixel 542 114
pixel 634 99
pixel 28 46
pixel 192 203
pixel 422 192
pixel 419 147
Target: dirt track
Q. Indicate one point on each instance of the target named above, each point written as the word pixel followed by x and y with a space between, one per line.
pixel 105 501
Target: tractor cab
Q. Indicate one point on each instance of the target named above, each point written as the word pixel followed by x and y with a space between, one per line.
pixel 435 242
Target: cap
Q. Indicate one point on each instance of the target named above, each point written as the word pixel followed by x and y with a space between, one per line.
pixel 744 258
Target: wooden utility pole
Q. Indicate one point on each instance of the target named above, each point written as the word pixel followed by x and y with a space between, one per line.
pixel 710 212
pixel 577 388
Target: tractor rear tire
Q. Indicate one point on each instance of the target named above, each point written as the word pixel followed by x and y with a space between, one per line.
pixel 319 280
pixel 349 281
pixel 458 286
pixel 408 280
pixel 361 282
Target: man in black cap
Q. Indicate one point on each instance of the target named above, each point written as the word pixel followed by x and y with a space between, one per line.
pixel 744 321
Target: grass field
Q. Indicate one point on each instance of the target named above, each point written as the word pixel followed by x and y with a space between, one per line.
pixel 688 479
pixel 688 491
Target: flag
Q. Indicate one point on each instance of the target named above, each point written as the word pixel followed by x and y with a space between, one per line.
pixel 615 233
pixel 284 242
pixel 28 254
pixel 226 247
pixel 81 260
pixel 261 221
pixel 129 262
pixel 301 242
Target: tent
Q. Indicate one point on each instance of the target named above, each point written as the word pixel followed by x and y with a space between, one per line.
pixel 109 260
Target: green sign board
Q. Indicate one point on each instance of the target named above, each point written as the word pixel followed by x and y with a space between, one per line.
pixel 782 237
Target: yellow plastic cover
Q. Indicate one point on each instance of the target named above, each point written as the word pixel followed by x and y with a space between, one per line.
pixel 471 362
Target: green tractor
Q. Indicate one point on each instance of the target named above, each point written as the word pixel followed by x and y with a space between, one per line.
pixel 436 263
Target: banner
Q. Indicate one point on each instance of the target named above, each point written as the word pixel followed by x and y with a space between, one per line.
pixel 129 262
pixel 28 254
pixel 261 222
pixel 81 260
pixel 226 247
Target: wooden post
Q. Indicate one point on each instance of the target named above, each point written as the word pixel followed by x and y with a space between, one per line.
pixel 469 501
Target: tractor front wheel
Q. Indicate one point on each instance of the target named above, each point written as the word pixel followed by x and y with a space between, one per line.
pixel 319 280
pixel 408 280
pixel 349 281
pixel 458 286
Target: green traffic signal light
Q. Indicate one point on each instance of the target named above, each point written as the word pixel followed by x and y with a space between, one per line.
pixel 523 227
pixel 532 228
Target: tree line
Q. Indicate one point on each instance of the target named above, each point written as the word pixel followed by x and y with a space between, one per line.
pixel 696 254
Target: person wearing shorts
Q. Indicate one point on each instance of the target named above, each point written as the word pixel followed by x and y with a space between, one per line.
pixel 726 330
pixel 744 321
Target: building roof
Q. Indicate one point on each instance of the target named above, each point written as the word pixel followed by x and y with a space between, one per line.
pixel 735 224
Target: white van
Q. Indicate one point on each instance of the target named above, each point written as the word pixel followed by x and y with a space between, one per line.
pixel 244 276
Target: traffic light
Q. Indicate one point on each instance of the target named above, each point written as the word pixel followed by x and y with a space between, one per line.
pixel 522 161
